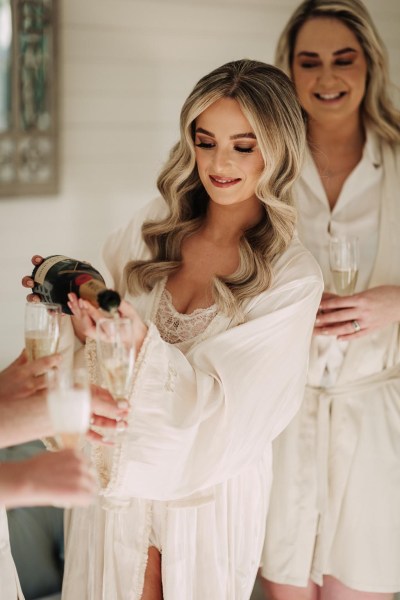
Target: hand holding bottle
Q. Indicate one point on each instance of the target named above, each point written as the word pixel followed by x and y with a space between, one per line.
pixel 54 277
pixel 27 280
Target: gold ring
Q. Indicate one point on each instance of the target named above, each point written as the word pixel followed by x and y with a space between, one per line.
pixel 356 326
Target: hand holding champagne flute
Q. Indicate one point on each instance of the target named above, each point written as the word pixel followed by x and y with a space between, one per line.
pixel 42 329
pixel 344 260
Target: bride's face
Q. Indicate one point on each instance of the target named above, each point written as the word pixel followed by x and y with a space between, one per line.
pixel 228 158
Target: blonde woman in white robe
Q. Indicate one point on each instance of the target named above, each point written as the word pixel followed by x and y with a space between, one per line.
pixel 333 528
pixel 223 299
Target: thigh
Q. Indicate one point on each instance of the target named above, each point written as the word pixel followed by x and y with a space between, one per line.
pixel 278 591
pixel 334 590
pixel 152 588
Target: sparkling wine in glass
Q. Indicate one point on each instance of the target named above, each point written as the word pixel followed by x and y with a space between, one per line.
pixel 116 355
pixel 344 261
pixel 69 405
pixel 42 329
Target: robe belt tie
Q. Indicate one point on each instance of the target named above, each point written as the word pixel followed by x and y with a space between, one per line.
pixel 325 397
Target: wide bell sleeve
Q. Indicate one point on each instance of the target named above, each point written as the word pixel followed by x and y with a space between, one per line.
pixel 126 243
pixel 199 419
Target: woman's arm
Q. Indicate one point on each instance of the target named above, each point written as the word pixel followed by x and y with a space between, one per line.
pixel 63 479
pixel 23 406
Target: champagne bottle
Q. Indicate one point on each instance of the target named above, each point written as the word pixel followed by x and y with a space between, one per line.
pixel 57 276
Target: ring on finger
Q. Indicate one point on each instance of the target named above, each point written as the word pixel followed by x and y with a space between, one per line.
pixel 356 326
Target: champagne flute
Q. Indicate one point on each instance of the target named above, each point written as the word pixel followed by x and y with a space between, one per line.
pixel 69 405
pixel 116 355
pixel 344 260
pixel 42 329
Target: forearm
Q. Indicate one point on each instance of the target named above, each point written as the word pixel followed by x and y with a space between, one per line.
pixel 23 420
pixel 61 478
pixel 16 487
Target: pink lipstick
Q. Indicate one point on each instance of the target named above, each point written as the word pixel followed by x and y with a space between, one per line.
pixel 223 182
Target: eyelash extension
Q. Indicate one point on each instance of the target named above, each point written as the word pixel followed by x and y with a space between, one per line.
pixel 237 148
pixel 204 145
pixel 245 150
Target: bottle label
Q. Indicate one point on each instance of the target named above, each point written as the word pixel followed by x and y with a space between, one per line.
pixel 89 288
pixel 45 267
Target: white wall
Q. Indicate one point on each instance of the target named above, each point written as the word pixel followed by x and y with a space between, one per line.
pixel 126 67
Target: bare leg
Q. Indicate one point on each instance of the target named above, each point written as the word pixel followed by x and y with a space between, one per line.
pixel 279 591
pixel 334 590
pixel 152 589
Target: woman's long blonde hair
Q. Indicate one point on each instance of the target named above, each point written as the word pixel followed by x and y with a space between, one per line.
pixel 267 98
pixel 377 108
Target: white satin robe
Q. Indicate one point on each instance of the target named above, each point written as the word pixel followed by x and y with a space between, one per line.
pixel 199 440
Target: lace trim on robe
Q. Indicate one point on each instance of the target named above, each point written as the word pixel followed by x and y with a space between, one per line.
pixel 176 327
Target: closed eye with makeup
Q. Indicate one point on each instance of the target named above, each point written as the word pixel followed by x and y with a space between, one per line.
pixel 206 139
pixel 228 158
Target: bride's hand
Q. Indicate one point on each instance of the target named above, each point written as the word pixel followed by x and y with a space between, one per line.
pixel 84 317
pixel 28 282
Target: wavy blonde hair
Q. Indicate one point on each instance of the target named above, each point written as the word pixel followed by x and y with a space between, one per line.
pixel 377 107
pixel 267 98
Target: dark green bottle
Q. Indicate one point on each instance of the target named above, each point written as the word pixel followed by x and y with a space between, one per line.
pixel 57 276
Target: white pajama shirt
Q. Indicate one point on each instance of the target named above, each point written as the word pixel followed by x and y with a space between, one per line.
pixel 335 502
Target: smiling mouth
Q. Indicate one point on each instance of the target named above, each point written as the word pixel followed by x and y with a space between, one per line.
pixel 223 182
pixel 330 97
